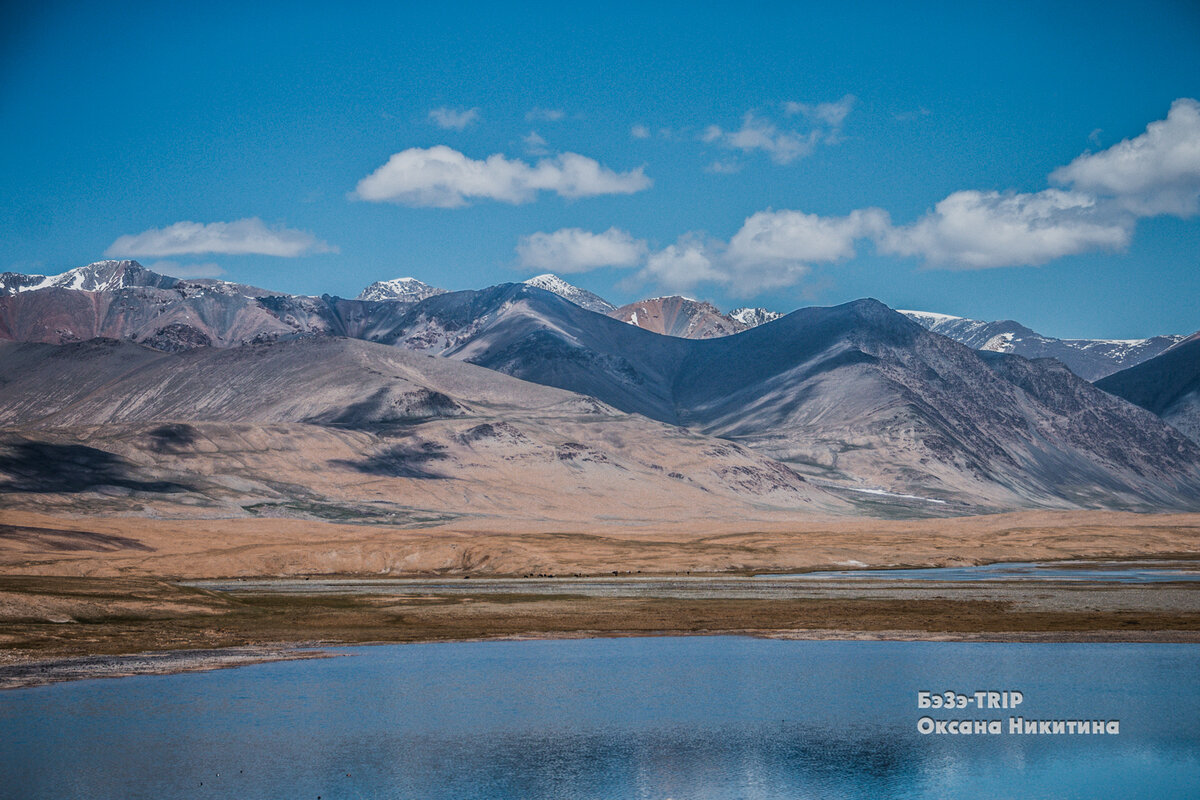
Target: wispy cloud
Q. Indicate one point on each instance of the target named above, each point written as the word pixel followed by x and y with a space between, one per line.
pixel 785 144
pixel 832 115
pixel 758 133
pixel 576 250
pixel 726 167
pixel 445 178
pixel 453 119
pixel 911 116
pixel 639 132
pixel 535 145
pixel 242 237
pixel 545 115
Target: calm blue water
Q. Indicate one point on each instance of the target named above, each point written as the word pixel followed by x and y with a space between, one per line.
pixel 1117 572
pixel 685 718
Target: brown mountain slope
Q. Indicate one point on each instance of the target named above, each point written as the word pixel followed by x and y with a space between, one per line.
pixel 339 429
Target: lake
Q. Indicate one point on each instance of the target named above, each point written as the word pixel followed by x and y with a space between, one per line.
pixel 653 718
pixel 1140 571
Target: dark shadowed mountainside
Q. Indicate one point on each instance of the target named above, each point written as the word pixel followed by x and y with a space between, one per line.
pixel 1168 385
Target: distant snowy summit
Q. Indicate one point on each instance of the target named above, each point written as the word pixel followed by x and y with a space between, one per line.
pixel 404 290
pixel 580 297
pixel 673 315
pixel 753 317
pixel 1090 359
pixel 101 276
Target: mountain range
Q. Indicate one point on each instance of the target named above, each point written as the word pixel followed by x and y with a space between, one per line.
pixel 221 313
pixel 849 409
pixel 1090 359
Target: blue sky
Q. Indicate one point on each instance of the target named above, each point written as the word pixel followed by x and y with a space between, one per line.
pixel 936 157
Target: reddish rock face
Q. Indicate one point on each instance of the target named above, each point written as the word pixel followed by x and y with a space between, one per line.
pixel 679 316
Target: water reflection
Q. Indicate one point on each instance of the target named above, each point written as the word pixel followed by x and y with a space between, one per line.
pixel 653 718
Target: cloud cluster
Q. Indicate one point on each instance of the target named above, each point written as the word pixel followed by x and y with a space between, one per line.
pixel 575 250
pixel 445 178
pixel 770 250
pixel 242 237
pixel 1101 198
pixel 451 119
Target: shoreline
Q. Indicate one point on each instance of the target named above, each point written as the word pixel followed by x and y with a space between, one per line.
pixel 57 628
pixel 45 672
pixel 29 674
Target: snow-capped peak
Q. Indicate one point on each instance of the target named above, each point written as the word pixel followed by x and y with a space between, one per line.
pixel 100 276
pixel 580 297
pixel 405 290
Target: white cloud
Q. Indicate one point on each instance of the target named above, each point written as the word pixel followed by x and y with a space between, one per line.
pixel 1157 172
pixel 545 115
pixel 682 266
pixel 783 237
pixel 442 177
pixel 639 132
pixel 241 237
pixel 452 119
pixel 575 250
pixel 177 270
pixel 977 230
